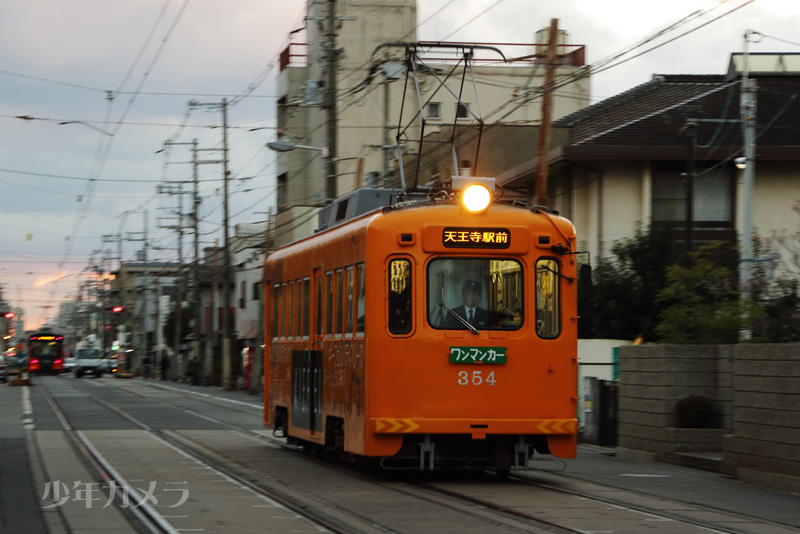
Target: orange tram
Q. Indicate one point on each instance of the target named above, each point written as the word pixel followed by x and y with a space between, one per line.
pixel 373 351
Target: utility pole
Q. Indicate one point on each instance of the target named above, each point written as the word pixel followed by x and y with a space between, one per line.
pixel 547 112
pixel 144 344
pixel 177 189
pixel 331 61
pixel 748 115
pixel 213 299
pixel 690 129
pixel 227 357
pixel 201 366
pixel 198 315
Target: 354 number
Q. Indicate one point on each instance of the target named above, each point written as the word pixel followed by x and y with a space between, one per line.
pixel 476 378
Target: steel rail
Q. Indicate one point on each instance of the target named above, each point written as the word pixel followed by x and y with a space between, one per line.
pixel 145 514
pixel 295 504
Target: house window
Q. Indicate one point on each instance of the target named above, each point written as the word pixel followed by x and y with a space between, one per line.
pixel 283 191
pixel 435 110
pixel 462 111
pixel 712 194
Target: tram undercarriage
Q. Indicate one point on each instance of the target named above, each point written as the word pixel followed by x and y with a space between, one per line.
pixel 500 453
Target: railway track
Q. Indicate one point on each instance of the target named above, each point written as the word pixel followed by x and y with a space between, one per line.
pixel 337 498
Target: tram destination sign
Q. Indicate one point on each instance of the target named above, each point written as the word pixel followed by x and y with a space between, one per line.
pixel 478 355
pixel 476 237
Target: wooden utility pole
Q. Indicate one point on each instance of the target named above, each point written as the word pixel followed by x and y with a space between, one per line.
pixel 227 329
pixel 198 312
pixel 547 112
pixel 331 58
pixel 227 342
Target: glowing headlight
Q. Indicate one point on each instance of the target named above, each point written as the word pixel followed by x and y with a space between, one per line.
pixel 476 198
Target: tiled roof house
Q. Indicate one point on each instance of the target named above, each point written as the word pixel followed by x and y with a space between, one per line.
pixel 627 158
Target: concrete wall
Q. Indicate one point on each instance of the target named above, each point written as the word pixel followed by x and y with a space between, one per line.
pixel 756 390
pixel 653 378
pixel 766 421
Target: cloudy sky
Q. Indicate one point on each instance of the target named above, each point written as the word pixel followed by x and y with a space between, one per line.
pixel 121 74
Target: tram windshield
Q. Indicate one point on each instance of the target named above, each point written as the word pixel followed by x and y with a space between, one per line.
pixel 44 349
pixel 475 293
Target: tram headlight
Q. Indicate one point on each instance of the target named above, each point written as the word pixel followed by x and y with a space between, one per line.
pixel 476 198
pixel 476 193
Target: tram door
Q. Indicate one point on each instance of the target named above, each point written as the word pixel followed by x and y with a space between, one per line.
pixel 307 364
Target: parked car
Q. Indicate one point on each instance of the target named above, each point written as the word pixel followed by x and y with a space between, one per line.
pixel 69 364
pixel 110 365
pixel 3 366
pixel 16 363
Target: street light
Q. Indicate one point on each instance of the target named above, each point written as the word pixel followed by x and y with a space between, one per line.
pixel 92 126
pixel 288 146
pixel 741 163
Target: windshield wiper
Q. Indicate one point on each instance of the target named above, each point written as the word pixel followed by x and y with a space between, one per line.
pixel 457 316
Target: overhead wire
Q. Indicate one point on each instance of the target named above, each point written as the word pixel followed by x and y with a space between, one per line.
pixel 451 3
pixel 609 62
pixel 102 156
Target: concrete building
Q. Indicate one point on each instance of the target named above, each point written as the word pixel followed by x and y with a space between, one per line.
pixel 247 247
pixel 141 289
pixel 373 96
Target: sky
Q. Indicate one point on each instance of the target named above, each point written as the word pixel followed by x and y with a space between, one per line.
pixel 121 76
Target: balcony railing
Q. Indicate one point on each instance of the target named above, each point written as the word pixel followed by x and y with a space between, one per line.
pixel 294 55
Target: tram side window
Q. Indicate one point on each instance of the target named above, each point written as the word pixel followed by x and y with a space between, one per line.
pixel 348 301
pixel 400 296
pixel 306 306
pixel 276 309
pixel 319 330
pixel 338 326
pixel 329 304
pixel 361 307
pixel 548 299
pixel 284 298
pixel 300 327
pixel 290 311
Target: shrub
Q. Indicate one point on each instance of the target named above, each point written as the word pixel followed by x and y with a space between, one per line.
pixel 695 411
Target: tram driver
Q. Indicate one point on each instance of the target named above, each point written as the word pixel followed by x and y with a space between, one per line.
pixel 475 315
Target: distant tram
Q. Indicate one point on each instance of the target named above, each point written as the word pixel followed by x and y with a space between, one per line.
pixel 45 351
pixel 372 349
